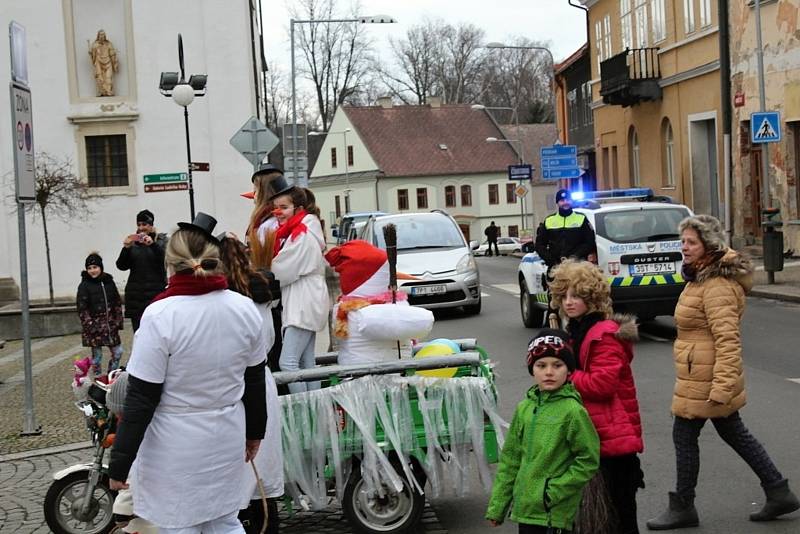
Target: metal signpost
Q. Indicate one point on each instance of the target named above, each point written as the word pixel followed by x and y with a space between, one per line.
pixel 25 173
pixel 295 150
pixel 560 162
pixel 254 141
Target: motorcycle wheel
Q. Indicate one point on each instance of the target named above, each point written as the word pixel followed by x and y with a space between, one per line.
pixel 61 506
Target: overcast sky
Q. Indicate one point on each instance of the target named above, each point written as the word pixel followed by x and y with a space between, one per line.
pixel 552 21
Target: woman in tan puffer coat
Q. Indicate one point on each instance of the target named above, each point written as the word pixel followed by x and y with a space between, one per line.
pixel 710 379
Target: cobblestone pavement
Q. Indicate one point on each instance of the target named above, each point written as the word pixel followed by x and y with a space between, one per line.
pixel 24 481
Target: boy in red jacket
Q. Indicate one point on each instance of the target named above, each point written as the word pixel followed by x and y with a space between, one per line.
pixel 604 378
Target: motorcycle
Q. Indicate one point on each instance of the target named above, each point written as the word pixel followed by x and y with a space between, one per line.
pixel 80 500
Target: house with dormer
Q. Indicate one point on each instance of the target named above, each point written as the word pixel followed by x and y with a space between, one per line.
pixel 399 158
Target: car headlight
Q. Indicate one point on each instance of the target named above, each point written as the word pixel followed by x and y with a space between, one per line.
pixel 466 264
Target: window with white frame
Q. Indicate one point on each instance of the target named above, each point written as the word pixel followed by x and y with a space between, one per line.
pixel 607 35
pixel 626 23
pixel 668 147
pixel 640 13
pixel 705 13
pixel 658 20
pixel 688 16
pixel 602 31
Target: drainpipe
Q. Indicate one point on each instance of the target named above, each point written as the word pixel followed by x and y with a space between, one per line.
pixel 727 112
pixel 587 18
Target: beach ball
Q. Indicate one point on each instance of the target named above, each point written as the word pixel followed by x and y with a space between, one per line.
pixel 439 347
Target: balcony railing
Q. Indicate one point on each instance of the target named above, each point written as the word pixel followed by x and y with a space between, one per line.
pixel 630 77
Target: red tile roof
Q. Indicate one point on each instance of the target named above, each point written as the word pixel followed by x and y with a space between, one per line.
pixel 408 140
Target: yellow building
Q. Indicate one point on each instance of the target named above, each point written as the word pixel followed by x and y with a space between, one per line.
pixel 656 98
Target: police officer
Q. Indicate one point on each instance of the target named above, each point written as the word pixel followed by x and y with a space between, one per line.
pixel 565 234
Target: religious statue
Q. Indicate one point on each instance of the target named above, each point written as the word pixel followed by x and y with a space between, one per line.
pixel 104 58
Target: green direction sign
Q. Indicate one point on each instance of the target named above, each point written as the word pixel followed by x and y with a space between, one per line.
pixel 170 177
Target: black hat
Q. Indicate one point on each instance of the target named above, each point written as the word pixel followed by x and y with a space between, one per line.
pixel 145 216
pixel 553 344
pixel 280 186
pixel 204 223
pixel 563 194
pixel 94 259
pixel 266 168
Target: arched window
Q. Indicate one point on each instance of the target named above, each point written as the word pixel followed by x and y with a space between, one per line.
pixel 633 157
pixel 667 154
pixel 466 195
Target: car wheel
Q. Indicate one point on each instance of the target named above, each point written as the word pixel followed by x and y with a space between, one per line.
pixel 532 314
pixel 473 309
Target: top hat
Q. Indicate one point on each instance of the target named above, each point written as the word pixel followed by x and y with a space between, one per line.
pixel 280 186
pixel 265 168
pixel 203 223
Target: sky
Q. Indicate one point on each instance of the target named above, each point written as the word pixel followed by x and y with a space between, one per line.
pixel 550 21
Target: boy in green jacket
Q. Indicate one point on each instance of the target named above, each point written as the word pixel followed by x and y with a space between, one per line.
pixel 551 450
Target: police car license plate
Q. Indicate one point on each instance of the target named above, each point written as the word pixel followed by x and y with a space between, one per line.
pixel 428 290
pixel 664 267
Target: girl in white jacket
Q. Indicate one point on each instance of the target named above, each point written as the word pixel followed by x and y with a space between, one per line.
pixel 299 266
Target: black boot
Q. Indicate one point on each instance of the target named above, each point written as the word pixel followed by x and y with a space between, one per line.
pixel 680 514
pixel 780 500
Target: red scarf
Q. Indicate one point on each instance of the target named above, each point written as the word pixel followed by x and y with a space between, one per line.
pixel 292 228
pixel 189 284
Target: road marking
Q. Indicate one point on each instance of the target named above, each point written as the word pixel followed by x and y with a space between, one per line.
pixel 651 337
pixel 484 295
pixel 40 367
pixel 512 289
pixel 36 345
pixel 795 380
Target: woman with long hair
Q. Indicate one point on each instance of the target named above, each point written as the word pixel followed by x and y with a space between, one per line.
pixel 196 401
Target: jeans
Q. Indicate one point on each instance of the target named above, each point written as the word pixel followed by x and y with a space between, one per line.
pixel 113 363
pixel 298 353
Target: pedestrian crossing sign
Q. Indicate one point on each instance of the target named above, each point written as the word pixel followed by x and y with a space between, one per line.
pixel 765 127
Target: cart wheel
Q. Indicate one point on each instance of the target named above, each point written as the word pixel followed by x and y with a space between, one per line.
pixel 394 512
pixel 62 506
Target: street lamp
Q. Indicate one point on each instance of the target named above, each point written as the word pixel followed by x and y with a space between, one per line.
pixel 346 167
pixel 374 19
pixel 522 161
pixel 183 93
pixel 516 124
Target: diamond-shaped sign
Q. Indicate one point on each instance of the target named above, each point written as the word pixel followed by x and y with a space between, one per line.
pixel 254 141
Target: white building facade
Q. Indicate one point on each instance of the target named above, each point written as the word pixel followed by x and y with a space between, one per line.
pixel 113 141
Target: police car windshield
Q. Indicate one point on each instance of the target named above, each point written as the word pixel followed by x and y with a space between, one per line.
pixel 422 233
pixel 636 225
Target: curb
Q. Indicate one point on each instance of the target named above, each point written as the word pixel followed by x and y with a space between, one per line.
pixel 46 451
pixel 769 294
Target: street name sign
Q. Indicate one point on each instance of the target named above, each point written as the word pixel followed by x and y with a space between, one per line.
pixel 560 162
pixel 170 177
pixel 254 141
pixel 167 186
pixel 200 166
pixel 520 172
pixel 765 127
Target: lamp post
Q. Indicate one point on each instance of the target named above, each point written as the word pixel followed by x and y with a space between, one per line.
pixel 346 165
pixel 374 19
pixel 183 93
pixel 522 161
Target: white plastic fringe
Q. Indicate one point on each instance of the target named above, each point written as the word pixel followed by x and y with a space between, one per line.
pixel 330 426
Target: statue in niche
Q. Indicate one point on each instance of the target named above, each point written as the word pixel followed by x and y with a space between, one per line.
pixel 104 58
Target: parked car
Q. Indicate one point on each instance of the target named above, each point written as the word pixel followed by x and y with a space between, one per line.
pixel 346 230
pixel 431 247
pixel 506 245
pixel 638 248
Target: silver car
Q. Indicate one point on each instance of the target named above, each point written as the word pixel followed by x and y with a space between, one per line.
pixel 431 248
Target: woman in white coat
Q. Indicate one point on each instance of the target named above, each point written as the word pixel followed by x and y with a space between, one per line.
pixel 195 407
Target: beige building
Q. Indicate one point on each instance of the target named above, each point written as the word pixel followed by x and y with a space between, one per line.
pixel 782 78
pixel 656 98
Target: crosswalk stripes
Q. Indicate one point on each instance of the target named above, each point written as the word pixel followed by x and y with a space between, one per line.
pixel 795 380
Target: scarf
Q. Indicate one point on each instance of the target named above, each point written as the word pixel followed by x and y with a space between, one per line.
pixel 189 284
pixel 690 272
pixel 578 328
pixel 348 304
pixel 292 228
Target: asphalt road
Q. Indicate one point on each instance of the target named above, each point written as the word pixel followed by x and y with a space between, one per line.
pixel 728 491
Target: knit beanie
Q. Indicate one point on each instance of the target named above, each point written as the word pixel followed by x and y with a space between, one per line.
pixel 94 259
pixel 145 216
pixel 550 343
pixel 562 194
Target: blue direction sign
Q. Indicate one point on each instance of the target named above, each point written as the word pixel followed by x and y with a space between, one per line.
pixel 560 162
pixel 520 172
pixel 765 127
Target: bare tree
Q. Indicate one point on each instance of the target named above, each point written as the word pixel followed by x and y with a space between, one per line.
pixel 278 98
pixel 461 65
pixel 60 194
pixel 337 55
pixel 417 59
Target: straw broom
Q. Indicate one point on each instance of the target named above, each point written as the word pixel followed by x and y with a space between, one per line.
pixel 390 238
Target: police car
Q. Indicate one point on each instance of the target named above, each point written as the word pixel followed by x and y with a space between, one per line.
pixel 638 248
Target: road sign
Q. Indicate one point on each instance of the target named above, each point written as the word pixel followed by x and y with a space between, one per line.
pixel 560 162
pixel 19 53
pixel 520 172
pixel 254 141
pixel 300 164
pixel 170 177
pixel 200 166
pixel 22 126
pixel 169 186
pixel 765 127
pixel 521 190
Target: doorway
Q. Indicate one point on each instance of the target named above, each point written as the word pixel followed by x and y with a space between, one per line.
pixel 465 231
pixel 703 154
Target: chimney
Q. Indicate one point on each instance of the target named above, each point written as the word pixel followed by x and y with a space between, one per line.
pixel 434 101
pixel 385 102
